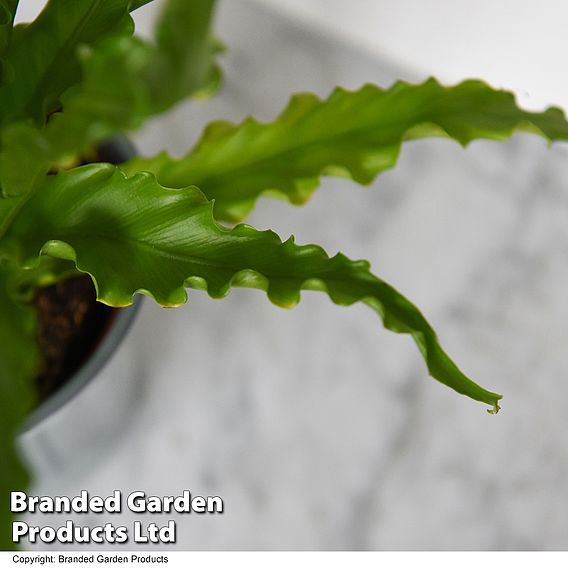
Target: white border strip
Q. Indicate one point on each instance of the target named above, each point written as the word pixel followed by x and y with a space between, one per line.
pixel 81 559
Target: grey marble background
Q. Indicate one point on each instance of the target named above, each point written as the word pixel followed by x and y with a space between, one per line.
pixel 319 429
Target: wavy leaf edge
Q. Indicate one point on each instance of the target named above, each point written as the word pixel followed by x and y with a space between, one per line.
pixel 426 340
pixel 303 187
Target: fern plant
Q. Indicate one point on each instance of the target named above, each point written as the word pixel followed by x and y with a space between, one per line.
pixel 78 75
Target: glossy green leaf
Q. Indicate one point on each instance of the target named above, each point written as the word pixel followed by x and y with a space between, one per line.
pixel 132 235
pixel 355 134
pixel 18 361
pixel 43 56
pixel 125 80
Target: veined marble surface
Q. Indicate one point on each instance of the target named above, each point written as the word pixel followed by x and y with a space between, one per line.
pixel 319 429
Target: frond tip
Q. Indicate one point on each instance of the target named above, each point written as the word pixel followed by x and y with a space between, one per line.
pixel 132 235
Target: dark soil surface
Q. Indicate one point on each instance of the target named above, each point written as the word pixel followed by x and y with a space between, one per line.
pixel 71 325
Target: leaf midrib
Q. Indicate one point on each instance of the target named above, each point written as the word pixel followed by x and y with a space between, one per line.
pixel 189 258
pixel 288 150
